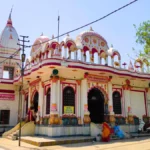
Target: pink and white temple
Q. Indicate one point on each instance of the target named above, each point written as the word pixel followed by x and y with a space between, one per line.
pixel 81 78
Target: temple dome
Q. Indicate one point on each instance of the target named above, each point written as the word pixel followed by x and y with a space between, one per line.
pixel 38 44
pixel 9 36
pixel 91 33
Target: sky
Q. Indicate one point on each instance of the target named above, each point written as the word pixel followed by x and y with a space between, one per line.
pixel 34 17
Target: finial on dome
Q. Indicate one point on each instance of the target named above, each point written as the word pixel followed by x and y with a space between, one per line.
pixel 53 36
pixel 91 29
pixel 111 45
pixel 67 34
pixel 9 22
pixel 42 34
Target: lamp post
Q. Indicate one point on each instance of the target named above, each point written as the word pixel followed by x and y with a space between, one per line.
pixel 23 57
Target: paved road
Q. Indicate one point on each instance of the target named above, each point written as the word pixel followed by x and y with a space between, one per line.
pixel 132 144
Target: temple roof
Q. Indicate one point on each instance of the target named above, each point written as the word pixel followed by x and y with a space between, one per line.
pixel 9 36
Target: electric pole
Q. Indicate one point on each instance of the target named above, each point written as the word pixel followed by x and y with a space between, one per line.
pixel 23 57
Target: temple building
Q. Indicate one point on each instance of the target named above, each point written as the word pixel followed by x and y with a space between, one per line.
pixel 81 78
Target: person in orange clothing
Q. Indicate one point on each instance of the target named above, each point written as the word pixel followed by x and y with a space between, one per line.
pixel 106 131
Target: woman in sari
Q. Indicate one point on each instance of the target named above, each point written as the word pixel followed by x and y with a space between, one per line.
pixel 106 131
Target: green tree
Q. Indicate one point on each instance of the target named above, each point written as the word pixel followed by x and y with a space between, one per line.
pixel 143 37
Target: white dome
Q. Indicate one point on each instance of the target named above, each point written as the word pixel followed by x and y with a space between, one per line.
pixel 9 36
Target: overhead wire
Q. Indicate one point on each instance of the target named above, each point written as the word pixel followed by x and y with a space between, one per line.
pixel 87 23
pixel 76 28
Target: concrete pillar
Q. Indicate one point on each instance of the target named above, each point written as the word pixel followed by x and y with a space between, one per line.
pixel 54 117
pixel 75 55
pixel 53 97
pixel 65 52
pixel 119 63
pixel 127 100
pixel 112 61
pixel 78 102
pixel 84 102
pixel 82 55
pixel 29 98
pixel 58 96
pixel 106 60
pixel 110 102
pixel 41 96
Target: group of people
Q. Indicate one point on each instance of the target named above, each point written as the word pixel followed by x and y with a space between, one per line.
pixel 107 131
pixel 32 115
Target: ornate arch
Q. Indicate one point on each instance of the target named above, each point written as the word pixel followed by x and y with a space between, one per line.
pixel 33 93
pixel 103 92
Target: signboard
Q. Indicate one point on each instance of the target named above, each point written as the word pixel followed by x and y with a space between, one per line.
pixel 68 109
pixel 96 78
pixel 8 96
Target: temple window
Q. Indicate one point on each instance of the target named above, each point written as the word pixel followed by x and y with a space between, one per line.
pixel 68 97
pixel 117 102
pixel 4 116
pixel 48 97
pixel 8 72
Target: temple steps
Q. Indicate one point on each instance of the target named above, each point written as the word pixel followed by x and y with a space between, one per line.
pixel 47 141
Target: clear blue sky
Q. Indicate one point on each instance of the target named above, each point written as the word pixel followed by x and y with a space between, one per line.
pixel 32 17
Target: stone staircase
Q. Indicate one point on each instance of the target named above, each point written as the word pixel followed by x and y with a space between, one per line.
pixel 27 129
pixel 13 135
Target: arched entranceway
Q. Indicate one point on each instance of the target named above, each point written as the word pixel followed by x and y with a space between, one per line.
pixel 35 101
pixel 96 105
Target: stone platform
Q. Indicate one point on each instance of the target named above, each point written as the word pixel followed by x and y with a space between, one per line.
pixel 62 131
pixel 46 141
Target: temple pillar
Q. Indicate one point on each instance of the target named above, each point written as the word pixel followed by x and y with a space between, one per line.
pixel 53 111
pixel 82 55
pixel 128 109
pixel 127 102
pixel 58 96
pixel 65 52
pixel 119 63
pixel 106 60
pixel 41 97
pixel 110 104
pixel 78 104
pixel 29 98
pixel 75 55
pixel 84 103
pixel 112 61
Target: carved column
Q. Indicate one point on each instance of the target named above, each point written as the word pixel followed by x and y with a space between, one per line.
pixel 29 97
pixel 54 112
pixel 84 104
pixel 127 98
pixel 112 61
pixel 78 104
pixel 110 103
pixel 41 97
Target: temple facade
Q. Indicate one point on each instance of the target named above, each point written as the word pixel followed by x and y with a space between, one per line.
pixel 80 78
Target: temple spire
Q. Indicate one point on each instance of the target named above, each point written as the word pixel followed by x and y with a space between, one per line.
pixel 9 22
